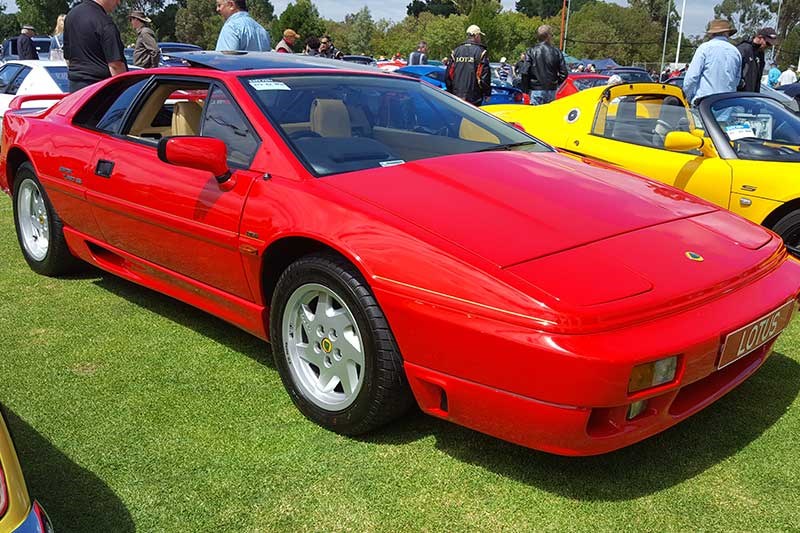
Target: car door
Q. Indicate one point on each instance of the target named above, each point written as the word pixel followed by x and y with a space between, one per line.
pixel 174 217
pixel 629 130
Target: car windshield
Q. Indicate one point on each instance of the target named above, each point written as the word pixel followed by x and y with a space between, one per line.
pixel 59 75
pixel 342 123
pixel 759 129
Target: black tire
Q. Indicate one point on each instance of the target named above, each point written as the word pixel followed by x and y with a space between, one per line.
pixel 788 227
pixel 57 260
pixel 384 392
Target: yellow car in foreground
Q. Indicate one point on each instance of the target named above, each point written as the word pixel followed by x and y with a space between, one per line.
pixel 18 513
pixel 738 150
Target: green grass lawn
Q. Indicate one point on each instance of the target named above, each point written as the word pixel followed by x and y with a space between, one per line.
pixel 135 412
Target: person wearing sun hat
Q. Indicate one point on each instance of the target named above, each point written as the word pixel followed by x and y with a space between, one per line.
pixel 753 58
pixel 145 52
pixel 469 74
pixel 716 66
pixel 25 48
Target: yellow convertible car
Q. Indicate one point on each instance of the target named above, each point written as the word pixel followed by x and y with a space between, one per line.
pixel 738 150
pixel 18 513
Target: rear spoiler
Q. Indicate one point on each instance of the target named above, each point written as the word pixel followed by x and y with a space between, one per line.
pixel 17 102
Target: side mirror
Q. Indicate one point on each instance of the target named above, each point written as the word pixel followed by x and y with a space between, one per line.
pixel 200 153
pixel 682 141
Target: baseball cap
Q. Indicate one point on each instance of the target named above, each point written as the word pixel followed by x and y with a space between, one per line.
pixel 474 30
pixel 768 34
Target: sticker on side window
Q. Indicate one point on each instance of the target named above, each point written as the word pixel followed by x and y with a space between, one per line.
pixel 268 85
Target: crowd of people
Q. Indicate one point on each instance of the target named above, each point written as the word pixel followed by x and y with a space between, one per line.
pixel 89 40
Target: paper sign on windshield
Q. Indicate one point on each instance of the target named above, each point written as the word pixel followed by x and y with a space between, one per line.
pixel 268 85
pixel 740 130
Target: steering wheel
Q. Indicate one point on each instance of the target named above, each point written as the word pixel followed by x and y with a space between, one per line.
pixel 302 134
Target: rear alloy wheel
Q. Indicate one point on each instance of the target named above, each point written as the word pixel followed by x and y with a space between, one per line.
pixel 333 348
pixel 788 228
pixel 39 229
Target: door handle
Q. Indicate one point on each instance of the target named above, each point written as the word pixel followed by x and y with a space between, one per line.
pixel 104 168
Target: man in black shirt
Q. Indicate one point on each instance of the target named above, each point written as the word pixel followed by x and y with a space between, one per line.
pixel 92 45
pixel 469 75
pixel 25 48
pixel 753 59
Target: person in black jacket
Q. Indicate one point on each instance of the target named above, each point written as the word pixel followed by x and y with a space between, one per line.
pixel 25 48
pixel 469 75
pixel 753 59
pixel 546 67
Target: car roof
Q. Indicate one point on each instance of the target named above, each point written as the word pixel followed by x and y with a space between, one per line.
pixel 233 61
pixel 37 62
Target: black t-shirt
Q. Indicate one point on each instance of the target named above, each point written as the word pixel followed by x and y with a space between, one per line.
pixel 91 42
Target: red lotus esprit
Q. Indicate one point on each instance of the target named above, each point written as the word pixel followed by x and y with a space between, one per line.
pixel 397 245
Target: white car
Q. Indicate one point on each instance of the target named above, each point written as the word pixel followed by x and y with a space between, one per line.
pixel 31 77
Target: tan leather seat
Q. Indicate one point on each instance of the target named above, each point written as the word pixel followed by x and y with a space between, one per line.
pixel 330 118
pixel 186 118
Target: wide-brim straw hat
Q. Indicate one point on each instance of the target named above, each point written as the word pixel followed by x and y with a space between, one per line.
pixel 719 26
pixel 140 16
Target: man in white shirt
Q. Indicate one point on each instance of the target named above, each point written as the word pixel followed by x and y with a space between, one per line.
pixel 787 76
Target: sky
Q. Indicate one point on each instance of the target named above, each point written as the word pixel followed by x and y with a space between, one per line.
pixel 698 12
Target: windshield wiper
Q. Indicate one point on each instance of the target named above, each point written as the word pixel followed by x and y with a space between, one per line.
pixel 508 146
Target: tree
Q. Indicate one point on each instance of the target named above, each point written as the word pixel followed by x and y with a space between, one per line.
pixel 198 23
pixel 747 16
pixel 548 8
pixel 41 14
pixel 164 23
pixel 301 16
pixel 9 25
pixel 362 27
pixel 262 11
pixel 443 8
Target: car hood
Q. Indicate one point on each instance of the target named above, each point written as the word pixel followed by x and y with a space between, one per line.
pixel 511 207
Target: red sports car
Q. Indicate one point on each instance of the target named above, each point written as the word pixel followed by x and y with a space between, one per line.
pixel 577 82
pixel 395 244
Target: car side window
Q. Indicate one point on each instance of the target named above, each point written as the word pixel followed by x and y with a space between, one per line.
pixel 223 120
pixel 7 73
pixel 106 109
pixel 15 85
pixel 172 107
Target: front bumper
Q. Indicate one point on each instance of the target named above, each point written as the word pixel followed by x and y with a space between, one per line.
pixel 567 394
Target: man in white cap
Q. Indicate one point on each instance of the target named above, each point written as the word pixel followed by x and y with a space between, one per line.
pixel 25 48
pixel 505 72
pixel 716 66
pixel 469 75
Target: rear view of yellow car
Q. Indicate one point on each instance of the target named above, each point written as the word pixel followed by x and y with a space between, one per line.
pixel 18 513
pixel 738 150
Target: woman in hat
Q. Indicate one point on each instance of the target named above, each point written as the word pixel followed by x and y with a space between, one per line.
pixel 145 52
pixel 716 66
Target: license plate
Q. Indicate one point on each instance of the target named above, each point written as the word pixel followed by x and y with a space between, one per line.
pixel 756 334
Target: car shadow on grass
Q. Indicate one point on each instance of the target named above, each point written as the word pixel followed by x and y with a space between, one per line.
pixel 190 317
pixel 74 498
pixel 659 462
pixel 662 461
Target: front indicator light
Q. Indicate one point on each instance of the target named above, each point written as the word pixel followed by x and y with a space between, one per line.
pixel 653 374
pixel 636 408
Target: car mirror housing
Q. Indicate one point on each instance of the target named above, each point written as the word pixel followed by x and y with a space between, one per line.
pixel 200 153
pixel 682 141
